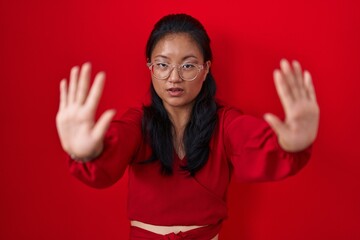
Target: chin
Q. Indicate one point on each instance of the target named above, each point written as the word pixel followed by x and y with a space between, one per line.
pixel 178 103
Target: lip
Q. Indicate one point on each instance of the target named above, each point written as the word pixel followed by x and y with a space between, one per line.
pixel 175 91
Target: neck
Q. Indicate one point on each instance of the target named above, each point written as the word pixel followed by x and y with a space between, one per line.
pixel 179 117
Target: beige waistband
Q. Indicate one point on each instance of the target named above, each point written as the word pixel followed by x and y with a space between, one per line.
pixel 163 229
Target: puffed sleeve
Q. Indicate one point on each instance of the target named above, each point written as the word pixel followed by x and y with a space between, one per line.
pixel 121 142
pixel 253 150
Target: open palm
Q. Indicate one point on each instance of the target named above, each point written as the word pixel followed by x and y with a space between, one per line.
pixel 79 134
pixel 297 95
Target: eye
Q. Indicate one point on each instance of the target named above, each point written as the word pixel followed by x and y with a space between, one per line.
pixel 188 66
pixel 161 65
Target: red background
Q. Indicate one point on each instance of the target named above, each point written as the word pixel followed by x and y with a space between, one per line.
pixel 41 40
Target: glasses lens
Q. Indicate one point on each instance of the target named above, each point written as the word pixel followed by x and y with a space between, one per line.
pixel 161 71
pixel 188 72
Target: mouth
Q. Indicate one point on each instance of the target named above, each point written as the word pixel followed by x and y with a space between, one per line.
pixel 175 92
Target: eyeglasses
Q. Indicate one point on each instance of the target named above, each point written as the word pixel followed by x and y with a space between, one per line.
pixel 187 71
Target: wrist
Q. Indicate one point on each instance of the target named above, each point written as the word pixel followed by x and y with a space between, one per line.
pixel 86 158
pixel 292 148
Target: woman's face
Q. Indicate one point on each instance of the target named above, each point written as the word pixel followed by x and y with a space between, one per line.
pixel 178 48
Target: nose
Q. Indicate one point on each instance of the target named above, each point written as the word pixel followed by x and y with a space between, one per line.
pixel 174 75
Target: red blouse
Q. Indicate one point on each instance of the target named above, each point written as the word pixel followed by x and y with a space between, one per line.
pixel 241 145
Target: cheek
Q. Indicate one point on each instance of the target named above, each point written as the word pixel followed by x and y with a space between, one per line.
pixel 199 82
pixel 202 76
pixel 196 87
pixel 157 86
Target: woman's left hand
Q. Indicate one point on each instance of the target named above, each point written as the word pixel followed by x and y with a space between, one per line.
pixel 298 98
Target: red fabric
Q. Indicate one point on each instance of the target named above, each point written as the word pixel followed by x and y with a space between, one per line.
pixel 202 233
pixel 242 146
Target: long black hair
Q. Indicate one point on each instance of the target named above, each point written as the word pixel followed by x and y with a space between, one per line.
pixel 156 123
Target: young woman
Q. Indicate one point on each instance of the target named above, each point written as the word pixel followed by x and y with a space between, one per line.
pixel 183 148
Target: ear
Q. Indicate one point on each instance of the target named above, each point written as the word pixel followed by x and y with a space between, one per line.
pixel 207 68
pixel 208 65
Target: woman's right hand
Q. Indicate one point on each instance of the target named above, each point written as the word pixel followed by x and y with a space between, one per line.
pixel 80 136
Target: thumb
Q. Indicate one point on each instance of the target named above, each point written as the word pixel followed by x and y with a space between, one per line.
pixel 103 123
pixel 275 123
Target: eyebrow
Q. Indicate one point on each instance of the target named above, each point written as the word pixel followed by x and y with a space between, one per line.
pixel 184 58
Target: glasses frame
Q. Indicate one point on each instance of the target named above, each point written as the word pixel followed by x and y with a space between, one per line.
pixel 199 67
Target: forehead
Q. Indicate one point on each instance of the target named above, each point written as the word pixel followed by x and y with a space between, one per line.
pixel 176 45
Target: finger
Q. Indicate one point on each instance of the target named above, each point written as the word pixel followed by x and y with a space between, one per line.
pixel 297 70
pixel 309 86
pixel 92 100
pixel 63 94
pixel 275 123
pixel 83 86
pixel 103 124
pixel 290 77
pixel 283 91
pixel 73 84
pixel 299 77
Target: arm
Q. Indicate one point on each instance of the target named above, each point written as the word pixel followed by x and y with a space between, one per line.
pixel 264 153
pixel 254 152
